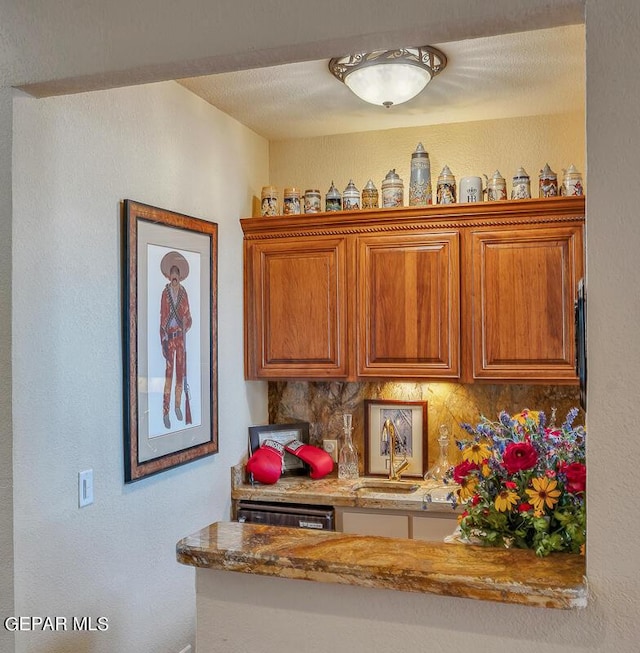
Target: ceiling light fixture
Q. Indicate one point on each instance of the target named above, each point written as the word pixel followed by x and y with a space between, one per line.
pixel 389 77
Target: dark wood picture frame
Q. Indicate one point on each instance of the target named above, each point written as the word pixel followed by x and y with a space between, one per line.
pixel 282 433
pixel 170 339
pixel 410 419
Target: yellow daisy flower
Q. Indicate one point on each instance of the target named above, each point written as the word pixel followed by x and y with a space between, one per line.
pixel 505 500
pixel 476 452
pixel 468 487
pixel 521 418
pixel 544 493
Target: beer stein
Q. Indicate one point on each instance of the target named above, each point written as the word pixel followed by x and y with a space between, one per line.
pixel 521 189
pixel 496 187
pixel 571 182
pixel 470 190
pixel 446 187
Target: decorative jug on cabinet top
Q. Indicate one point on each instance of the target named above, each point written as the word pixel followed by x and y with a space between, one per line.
pixel 333 199
pixel 312 201
pixel 547 182
pixel 521 189
pixel 420 182
pixel 446 187
pixel 269 201
pixel 496 187
pixel 470 190
pixel 291 201
pixel 571 182
pixel 392 190
pixel 370 196
pixel 350 197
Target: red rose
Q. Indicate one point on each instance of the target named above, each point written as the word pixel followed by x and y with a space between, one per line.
pixel 461 471
pixel 510 485
pixel 576 477
pixel 519 456
pixel 524 507
pixel 475 499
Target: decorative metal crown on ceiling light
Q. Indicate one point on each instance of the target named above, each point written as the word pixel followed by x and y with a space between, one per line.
pixel 389 77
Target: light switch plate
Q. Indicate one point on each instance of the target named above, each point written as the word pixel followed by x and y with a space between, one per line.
pixel 85 488
pixel 331 447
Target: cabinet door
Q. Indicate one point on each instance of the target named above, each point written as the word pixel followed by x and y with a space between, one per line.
pixel 524 284
pixel 295 318
pixel 409 305
pixel 374 523
pixel 433 528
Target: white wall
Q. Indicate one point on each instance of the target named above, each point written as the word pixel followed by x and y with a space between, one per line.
pixel 43 49
pixel 6 427
pixel 75 159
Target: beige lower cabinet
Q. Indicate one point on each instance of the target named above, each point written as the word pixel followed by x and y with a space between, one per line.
pixel 393 523
pixel 372 522
pixel 433 527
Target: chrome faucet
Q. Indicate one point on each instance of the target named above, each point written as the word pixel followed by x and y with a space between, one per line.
pixel 390 436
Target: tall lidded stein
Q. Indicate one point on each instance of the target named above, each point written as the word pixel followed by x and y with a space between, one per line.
pixel 348 455
pixel 420 183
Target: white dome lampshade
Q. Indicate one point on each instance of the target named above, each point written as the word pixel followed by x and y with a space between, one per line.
pixel 388 77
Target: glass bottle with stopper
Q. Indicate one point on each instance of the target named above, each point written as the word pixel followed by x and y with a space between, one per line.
pixel 348 455
pixel 442 465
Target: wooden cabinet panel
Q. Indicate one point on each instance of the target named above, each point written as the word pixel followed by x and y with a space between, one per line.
pixel 480 291
pixel 297 298
pixel 524 284
pixel 408 309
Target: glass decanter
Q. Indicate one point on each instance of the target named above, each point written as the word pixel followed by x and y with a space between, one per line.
pixel 348 455
pixel 442 465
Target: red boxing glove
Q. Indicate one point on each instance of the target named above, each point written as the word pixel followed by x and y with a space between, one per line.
pixel 266 463
pixel 318 459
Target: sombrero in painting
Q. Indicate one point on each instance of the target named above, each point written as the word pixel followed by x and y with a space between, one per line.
pixel 171 259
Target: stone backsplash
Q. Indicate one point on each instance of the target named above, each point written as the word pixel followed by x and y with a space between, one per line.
pixel 323 404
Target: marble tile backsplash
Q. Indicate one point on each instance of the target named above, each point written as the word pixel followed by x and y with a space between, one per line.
pixel 323 404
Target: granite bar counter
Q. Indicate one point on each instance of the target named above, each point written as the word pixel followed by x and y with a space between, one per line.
pixel 331 491
pixel 460 570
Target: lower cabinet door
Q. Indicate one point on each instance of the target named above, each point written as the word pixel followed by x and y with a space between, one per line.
pixel 373 523
pixel 433 528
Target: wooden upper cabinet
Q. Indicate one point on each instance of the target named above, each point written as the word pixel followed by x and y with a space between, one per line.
pixel 524 283
pixel 295 300
pixel 408 310
pixel 475 292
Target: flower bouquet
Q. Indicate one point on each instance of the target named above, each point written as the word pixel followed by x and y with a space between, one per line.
pixel 523 483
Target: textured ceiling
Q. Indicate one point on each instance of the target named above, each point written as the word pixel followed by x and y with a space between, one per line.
pixel 522 74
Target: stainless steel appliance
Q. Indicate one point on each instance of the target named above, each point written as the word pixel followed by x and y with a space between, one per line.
pixel 287 514
pixel 581 341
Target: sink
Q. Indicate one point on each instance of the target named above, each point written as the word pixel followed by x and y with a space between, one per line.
pixel 384 485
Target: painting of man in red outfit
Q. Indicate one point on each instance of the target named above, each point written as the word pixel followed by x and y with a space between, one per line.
pixel 175 322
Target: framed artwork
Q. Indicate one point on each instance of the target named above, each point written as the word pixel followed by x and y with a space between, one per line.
pixel 170 338
pixel 409 419
pixel 282 433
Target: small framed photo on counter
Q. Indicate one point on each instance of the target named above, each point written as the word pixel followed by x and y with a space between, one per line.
pixel 409 421
pixel 282 433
